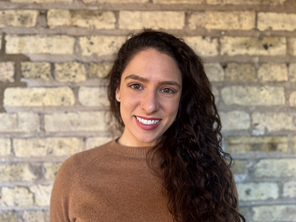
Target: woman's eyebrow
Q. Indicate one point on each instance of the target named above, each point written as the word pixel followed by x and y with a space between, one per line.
pixel 170 83
pixel 136 77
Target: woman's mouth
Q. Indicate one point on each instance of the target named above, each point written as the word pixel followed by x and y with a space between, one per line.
pixel 148 122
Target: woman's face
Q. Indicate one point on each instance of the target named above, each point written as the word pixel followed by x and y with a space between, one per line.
pixel 149 93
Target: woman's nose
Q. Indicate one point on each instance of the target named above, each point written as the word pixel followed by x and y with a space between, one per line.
pixel 150 103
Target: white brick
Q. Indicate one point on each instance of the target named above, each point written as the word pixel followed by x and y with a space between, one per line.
pixel 39 1
pixel 115 1
pixel 35 70
pixel 18 18
pixel 6 71
pixel 177 1
pixel 70 72
pixel 274 213
pixel 275 168
pixel 5 146
pixel 292 99
pixel 276 21
pixel 246 2
pixel 235 120
pixel 214 72
pixel 16 172
pixel 257 191
pixel 42 194
pixel 17 196
pixel 203 46
pixel 90 96
pixel 19 122
pixel 292 46
pixel 273 72
pixel 289 189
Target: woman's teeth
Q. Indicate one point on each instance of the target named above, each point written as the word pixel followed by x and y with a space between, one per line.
pixel 147 122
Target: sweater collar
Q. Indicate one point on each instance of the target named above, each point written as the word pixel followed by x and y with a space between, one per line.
pixel 128 151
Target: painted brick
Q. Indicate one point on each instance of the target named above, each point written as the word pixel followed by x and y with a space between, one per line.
pixel 253 96
pixel 273 121
pixel 6 71
pixel 40 44
pixel 246 2
pixel 289 189
pixel 293 143
pixel 90 96
pixel 17 196
pixel 82 19
pixel 41 194
pixel 100 45
pixel 257 191
pixel 251 144
pixel 292 72
pixel 276 21
pixel 93 142
pixel 78 121
pixel 40 216
pixel 274 213
pixel 292 99
pixel 292 46
pixel 61 96
pixel 19 122
pixel 5 147
pixel 273 72
pixel 275 168
pixel 70 72
pixel 223 20
pixel 100 70
pixel 47 146
pixel 132 20
pixel 115 1
pixel 235 120
pixel 239 167
pixel 35 70
pixel 177 1
pixel 18 18
pixel 39 1
pixel 51 170
pixel 19 172
pixel 203 46
pixel 240 72
pixel 214 72
pixel 253 46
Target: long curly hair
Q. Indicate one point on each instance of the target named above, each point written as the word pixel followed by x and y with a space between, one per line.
pixel 194 169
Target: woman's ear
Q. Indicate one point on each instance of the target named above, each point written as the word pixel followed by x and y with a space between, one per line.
pixel 117 94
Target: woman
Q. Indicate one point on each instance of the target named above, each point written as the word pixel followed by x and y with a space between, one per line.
pixel 168 164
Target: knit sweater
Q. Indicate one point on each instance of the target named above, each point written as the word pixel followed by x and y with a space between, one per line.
pixel 109 183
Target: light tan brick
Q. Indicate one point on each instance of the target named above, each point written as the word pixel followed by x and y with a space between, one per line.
pixel 8 216
pixel 246 2
pixel 47 146
pixel 79 121
pixel 132 20
pixel 275 168
pixel 253 144
pixel 17 172
pixel 115 1
pixel 0 41
pixel 253 46
pixel 35 70
pixel 273 72
pixel 274 213
pixel 177 1
pixel 235 120
pixel 19 122
pixel 61 96
pixel 17 196
pixel 101 45
pixel 292 72
pixel 82 19
pixel 292 46
pixel 51 170
pixel 6 71
pixel 90 96
pixel 253 96
pixel 293 143
pixel 70 72
pixel 214 72
pixel 240 20
pixel 40 44
pixel 289 189
pixel 203 46
pixel 292 99
pixel 257 191
pixel 18 18
pixel 5 147
pixel 273 121
pixel 100 70
pixel 240 72
pixel 39 1
pixel 276 21
pixel 34 216
pixel 93 142
pixel 41 194
pixel 239 167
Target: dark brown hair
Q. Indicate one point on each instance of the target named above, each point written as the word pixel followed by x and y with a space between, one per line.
pixel 196 177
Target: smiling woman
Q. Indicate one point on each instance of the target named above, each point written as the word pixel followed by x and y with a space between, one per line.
pixel 168 164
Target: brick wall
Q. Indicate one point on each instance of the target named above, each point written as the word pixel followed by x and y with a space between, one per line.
pixel 55 53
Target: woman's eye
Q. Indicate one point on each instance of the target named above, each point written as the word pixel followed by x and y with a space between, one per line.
pixel 136 86
pixel 167 90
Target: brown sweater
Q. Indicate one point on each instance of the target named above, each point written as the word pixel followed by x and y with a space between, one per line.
pixel 108 183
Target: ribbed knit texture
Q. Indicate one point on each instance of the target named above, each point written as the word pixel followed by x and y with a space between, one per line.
pixel 109 183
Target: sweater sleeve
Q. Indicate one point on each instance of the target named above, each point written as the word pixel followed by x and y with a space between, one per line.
pixel 61 192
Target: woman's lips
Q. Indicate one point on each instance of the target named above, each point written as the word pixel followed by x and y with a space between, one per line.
pixel 151 122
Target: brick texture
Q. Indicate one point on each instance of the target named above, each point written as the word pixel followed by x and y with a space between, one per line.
pixel 100 70
pixel 18 18
pixel 6 72
pixel 273 72
pixel 240 72
pixel 275 168
pixel 203 46
pixel 19 122
pixel 235 120
pixel 276 21
pixel 292 46
pixel 260 191
pixel 70 72
pixel 292 72
pixel 36 70
pixel 89 96
pixel 274 213
pixel 214 72
pixel 5 146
